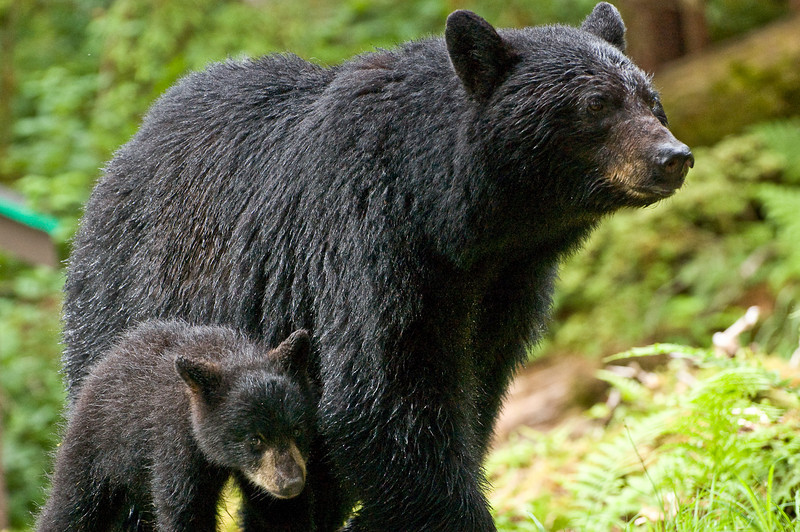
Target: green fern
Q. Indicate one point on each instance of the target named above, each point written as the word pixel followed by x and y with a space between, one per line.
pixel 715 447
pixel 782 206
pixel 783 138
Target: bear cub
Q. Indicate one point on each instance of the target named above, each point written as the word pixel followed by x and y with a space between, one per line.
pixel 168 416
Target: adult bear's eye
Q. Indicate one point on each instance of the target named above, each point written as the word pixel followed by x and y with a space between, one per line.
pixel 658 110
pixel 596 105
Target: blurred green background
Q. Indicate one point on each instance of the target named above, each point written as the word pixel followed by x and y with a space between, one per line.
pixel 76 77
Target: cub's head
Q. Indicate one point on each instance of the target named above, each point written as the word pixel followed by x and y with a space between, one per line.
pixel 256 414
pixel 568 116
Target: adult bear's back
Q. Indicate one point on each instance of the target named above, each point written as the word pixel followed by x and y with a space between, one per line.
pixel 244 171
pixel 184 186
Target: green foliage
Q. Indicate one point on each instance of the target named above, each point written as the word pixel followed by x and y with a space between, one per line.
pixel 681 270
pixel 709 443
pixel 31 396
pixel 783 138
pixel 782 206
pixel 727 18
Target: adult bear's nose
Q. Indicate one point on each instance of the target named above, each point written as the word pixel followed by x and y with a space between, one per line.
pixel 674 160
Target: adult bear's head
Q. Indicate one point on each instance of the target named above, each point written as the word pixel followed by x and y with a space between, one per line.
pixel 567 118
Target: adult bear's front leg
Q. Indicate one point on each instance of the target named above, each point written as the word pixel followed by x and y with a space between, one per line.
pixel 513 311
pixel 403 444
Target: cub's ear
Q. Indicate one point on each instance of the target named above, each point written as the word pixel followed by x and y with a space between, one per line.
pixel 605 22
pixel 293 352
pixel 479 55
pixel 204 378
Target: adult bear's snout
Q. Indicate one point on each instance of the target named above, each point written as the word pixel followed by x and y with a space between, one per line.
pixel 673 161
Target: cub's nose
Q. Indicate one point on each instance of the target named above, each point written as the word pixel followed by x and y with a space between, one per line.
pixel 290 474
pixel 290 487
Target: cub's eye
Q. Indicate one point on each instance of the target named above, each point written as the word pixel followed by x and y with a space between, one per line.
pixel 256 443
pixel 596 105
pixel 297 433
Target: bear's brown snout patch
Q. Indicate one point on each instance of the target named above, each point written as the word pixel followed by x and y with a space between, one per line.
pixel 282 472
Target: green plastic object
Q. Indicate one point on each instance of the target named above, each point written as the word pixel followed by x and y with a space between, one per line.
pixel 17 212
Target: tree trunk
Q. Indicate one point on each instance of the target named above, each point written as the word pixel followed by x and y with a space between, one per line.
pixel 694 25
pixel 660 31
pixel 654 31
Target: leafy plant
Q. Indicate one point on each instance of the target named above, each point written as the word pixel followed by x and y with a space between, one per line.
pixel 732 17
pixel 31 393
pixel 681 270
pixel 712 445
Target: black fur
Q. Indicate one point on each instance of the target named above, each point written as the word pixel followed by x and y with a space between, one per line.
pixel 410 207
pixel 139 437
pixel 606 23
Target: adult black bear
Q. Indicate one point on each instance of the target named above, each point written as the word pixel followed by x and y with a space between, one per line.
pixel 409 207
pixel 140 437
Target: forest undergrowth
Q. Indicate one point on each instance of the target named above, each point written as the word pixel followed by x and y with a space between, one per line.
pixel 705 441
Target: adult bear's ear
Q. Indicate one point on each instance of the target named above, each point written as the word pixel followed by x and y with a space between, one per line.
pixel 479 55
pixel 203 378
pixel 292 353
pixel 605 22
